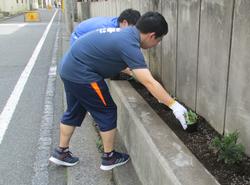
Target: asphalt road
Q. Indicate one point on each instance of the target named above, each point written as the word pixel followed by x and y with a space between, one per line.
pixel 31 131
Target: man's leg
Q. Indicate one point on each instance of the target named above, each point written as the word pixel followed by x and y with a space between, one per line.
pixel 104 111
pixel 108 138
pixel 71 118
pixel 66 132
pixel 111 158
pixel 62 155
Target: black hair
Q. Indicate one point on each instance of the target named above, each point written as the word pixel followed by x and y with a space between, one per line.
pixel 130 15
pixel 152 22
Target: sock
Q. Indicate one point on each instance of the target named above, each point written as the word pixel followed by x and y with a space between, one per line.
pixel 108 155
pixel 63 149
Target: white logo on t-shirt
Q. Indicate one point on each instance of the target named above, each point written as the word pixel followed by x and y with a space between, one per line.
pixel 109 30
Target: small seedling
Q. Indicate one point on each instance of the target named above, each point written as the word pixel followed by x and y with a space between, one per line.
pixel 227 148
pixel 191 117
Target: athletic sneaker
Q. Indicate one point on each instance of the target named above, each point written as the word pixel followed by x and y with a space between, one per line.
pixel 113 160
pixel 63 157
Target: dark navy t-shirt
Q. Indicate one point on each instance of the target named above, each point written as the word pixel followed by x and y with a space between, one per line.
pixel 102 54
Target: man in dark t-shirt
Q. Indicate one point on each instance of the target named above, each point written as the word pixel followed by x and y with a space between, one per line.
pixel 102 54
pixel 94 58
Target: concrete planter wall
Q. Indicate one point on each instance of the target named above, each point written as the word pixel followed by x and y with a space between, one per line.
pixel 157 154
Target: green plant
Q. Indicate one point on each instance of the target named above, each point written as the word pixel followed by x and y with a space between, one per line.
pixel 227 148
pixel 191 117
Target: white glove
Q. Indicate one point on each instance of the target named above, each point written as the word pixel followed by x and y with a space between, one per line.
pixel 179 112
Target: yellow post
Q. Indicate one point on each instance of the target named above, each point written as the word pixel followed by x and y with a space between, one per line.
pixel 62 5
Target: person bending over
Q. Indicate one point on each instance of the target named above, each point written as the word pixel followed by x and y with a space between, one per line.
pixel 98 55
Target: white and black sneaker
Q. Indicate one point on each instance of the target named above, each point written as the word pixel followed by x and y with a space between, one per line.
pixel 113 160
pixel 63 157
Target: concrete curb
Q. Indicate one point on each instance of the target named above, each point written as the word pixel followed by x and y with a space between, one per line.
pixel 158 156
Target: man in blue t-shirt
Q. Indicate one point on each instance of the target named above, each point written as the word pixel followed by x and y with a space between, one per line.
pixel 102 54
pixel 126 18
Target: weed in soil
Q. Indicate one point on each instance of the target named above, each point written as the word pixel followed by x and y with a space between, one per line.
pixel 198 142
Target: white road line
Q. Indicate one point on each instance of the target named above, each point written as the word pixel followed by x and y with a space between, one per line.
pixel 12 102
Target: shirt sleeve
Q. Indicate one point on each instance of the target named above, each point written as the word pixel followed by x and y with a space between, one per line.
pixel 133 57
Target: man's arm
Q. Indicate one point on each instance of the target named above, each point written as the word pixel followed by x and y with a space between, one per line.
pixel 155 88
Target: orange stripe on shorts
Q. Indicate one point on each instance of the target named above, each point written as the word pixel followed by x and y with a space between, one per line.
pixel 98 91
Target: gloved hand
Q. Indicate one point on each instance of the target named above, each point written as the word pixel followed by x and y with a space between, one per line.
pixel 179 112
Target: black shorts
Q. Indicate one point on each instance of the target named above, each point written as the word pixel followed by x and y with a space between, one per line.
pixel 93 98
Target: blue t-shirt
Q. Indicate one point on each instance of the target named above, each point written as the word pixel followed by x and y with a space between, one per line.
pixel 93 24
pixel 102 53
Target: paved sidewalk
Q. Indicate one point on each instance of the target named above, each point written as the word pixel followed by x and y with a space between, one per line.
pixel 87 171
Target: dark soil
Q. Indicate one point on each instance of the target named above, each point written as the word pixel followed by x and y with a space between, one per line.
pixel 198 142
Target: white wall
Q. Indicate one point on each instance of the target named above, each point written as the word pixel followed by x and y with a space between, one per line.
pixel 13 7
